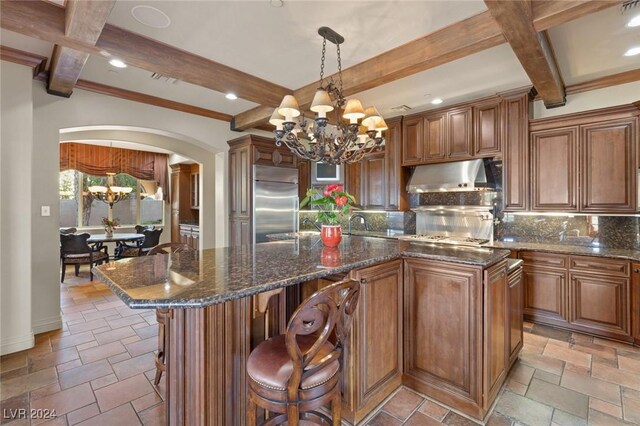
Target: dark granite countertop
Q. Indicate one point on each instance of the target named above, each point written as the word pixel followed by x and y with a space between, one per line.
pixel 628 254
pixel 207 277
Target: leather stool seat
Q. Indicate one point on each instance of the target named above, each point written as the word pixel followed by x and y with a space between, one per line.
pixel 270 365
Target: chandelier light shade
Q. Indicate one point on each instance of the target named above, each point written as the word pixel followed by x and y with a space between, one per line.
pixel 110 194
pixel 355 132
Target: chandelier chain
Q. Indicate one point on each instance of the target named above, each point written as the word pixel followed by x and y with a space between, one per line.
pixel 339 70
pixel 324 49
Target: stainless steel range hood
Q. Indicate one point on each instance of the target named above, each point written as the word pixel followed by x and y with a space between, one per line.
pixel 471 175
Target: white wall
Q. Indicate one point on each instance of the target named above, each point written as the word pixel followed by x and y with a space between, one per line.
pixel 16 211
pixel 594 99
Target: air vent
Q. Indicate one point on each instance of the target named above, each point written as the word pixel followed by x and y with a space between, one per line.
pixel 629 4
pixel 165 78
pixel 403 108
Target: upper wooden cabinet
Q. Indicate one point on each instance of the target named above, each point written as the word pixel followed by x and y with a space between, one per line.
pixel 374 184
pixel 462 132
pixel 515 163
pixel 589 166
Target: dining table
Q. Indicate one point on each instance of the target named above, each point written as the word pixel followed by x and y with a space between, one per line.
pixel 98 240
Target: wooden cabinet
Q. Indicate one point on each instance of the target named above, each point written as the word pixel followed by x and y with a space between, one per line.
pixel 496 331
pixel 635 302
pixel 459 136
pixel 394 176
pixel 190 235
pixel 607 166
pixel 586 162
pixel 582 293
pixel 412 140
pixel 435 132
pixel 304 178
pixel 194 186
pixel 515 164
pixel 239 232
pixel 239 181
pixel 373 181
pixel 268 155
pixel 487 127
pixel 554 169
pixel 181 207
pixel 515 301
pixel 373 357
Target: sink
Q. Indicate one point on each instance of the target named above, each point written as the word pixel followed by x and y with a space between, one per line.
pixel 303 234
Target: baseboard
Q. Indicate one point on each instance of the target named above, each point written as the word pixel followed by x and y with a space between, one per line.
pixel 47 324
pixel 16 344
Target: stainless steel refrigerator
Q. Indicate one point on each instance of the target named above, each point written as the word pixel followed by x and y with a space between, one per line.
pixel 275 201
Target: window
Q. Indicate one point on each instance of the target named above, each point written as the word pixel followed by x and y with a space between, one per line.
pixel 144 205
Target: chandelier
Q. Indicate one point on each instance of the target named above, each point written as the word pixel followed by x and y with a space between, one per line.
pixel 342 142
pixel 110 194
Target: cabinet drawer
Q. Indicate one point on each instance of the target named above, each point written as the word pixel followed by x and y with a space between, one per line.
pixel 550 260
pixel 599 265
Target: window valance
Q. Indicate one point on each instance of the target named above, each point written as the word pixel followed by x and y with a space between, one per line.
pixel 98 160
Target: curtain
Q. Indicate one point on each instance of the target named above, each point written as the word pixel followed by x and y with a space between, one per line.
pixel 99 160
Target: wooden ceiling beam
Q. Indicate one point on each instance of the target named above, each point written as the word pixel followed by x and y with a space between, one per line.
pixel 602 82
pixel 84 21
pixel 46 21
pixel 460 39
pixel 532 48
pixel 36 62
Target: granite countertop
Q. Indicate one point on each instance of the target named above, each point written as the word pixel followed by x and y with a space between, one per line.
pixel 200 278
pixel 627 254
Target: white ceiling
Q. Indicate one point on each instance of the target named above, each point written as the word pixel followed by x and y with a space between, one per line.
pixel 281 45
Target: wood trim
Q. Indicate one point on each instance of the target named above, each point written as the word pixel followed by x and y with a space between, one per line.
pixel 533 49
pixel 150 100
pixel 602 82
pixel 84 21
pixel 584 117
pixel 460 39
pixel 37 62
pixel 139 51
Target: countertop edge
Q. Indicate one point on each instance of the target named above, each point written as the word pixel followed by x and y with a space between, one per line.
pixel 568 250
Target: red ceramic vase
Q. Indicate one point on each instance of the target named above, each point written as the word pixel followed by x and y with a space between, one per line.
pixel 331 257
pixel 331 235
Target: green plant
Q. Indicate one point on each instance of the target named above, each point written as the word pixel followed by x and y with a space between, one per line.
pixel 333 203
pixel 110 223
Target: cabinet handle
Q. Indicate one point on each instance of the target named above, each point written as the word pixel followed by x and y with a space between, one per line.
pixel 636 270
pixel 363 280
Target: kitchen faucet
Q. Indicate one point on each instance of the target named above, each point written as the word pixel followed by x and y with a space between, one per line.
pixel 361 216
pixel 307 220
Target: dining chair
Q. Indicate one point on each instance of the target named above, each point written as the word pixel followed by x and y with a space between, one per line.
pixel 151 239
pixel 74 250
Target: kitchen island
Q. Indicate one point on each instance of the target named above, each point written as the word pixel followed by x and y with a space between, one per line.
pixel 434 318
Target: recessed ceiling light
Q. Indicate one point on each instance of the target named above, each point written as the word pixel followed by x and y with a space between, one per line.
pixel 634 22
pixel 437 101
pixel 150 16
pixel 633 51
pixel 276 3
pixel 231 96
pixel 117 63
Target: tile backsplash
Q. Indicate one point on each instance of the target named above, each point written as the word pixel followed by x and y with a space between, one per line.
pixel 379 221
pixel 599 231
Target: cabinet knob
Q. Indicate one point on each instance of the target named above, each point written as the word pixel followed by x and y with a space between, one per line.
pixel 363 280
pixel 636 270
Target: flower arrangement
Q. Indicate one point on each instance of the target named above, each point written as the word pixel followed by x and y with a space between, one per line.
pixel 110 225
pixel 333 202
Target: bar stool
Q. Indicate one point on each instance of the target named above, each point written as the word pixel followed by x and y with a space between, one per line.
pixel 295 374
pixel 162 314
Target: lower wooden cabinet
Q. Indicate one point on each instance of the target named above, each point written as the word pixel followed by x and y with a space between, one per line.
pixel 582 293
pixel 635 302
pixel 516 303
pixel 456 351
pixel 373 357
pixel 190 235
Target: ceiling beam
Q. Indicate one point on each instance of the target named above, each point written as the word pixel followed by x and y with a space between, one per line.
pixel 602 82
pixel 84 21
pixel 460 39
pixel 36 62
pixel 46 21
pixel 532 48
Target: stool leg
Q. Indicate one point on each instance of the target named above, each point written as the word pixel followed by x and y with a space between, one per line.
pixel 336 407
pixel 251 412
pixel 293 415
pixel 160 358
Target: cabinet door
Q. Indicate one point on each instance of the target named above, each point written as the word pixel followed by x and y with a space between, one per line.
pixel 545 294
pixel 373 368
pixel 271 156
pixel 599 304
pixel 239 181
pixel 554 164
pixel 487 129
pixel 240 232
pixel 608 168
pixel 195 239
pixel 496 331
pixel 515 303
pixel 175 226
pixel 435 137
pixel 373 181
pixel 635 302
pixel 515 172
pixel 412 140
pixel 443 331
pixel 304 178
pixel 459 134
pixel 394 198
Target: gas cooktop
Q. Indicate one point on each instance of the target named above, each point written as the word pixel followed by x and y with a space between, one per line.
pixel 444 239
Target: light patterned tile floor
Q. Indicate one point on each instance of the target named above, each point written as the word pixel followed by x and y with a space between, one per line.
pixel 99 369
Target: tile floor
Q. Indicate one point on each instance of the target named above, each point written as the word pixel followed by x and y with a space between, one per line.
pixel 98 370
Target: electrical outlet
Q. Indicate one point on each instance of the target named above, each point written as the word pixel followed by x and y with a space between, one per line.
pixel 45 211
